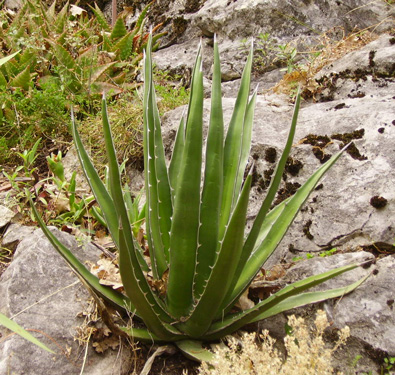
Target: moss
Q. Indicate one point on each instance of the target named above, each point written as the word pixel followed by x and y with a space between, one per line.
pixel 288 190
pixel 270 155
pixel 306 230
pixel 293 166
pixel 378 202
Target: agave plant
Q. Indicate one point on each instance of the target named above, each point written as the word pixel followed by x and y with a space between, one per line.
pixel 195 223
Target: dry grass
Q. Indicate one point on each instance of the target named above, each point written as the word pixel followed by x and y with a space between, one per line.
pixel 307 353
pixel 330 47
pixel 126 120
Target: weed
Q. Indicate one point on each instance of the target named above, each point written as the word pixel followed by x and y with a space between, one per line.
pixel 389 364
pixel 306 353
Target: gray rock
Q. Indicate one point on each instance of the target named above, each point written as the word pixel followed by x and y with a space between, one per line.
pixel 371 72
pixel 240 19
pixel 342 213
pixel 294 21
pixel 6 216
pixel 39 290
pixel 12 4
pixel 71 164
pixel 367 311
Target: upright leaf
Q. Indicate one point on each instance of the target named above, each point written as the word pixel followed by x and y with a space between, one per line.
pixel 212 188
pixel 233 147
pixel 186 213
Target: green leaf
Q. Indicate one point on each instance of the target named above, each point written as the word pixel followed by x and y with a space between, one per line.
pixel 61 19
pixel 309 298
pixel 119 29
pixel 217 285
pixel 63 56
pixel 99 190
pixel 213 183
pixel 233 147
pixel 3 60
pixel 159 208
pixel 117 299
pixel 273 188
pixel 185 220
pixel 176 158
pixel 275 226
pixel 124 47
pixel 100 18
pixel 22 80
pixel 195 351
pixel 11 325
pixel 235 321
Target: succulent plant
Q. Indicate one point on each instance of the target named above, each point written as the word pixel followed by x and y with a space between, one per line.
pixel 195 223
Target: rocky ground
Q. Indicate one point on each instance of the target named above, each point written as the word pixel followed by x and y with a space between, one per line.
pixel 350 99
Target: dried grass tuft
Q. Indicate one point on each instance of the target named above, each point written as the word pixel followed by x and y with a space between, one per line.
pixel 307 353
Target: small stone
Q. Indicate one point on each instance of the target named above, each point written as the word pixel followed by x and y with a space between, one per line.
pixel 6 216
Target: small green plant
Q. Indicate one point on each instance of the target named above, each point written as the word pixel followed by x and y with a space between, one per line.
pixel 200 260
pixel 29 157
pixel 322 254
pixel 55 58
pixel 389 364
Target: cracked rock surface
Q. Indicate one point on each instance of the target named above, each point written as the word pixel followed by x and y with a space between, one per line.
pixel 41 292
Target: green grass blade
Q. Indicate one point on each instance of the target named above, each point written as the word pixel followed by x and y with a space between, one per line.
pixel 233 147
pixel 212 188
pixel 275 227
pixel 235 321
pixel 185 221
pixel 11 325
pixel 216 287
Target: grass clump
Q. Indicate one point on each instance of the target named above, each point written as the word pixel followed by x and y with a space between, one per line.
pixel 307 353
pixel 126 117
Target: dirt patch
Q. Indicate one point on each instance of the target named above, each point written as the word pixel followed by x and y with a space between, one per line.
pixel 379 249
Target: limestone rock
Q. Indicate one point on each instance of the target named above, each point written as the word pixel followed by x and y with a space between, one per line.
pixel 296 22
pixel 341 212
pixel 39 290
pixel 6 216
pixel 71 163
pixel 367 311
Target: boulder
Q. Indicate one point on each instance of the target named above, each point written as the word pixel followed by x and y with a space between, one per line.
pixel 40 292
pixel 367 311
pixel 300 23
